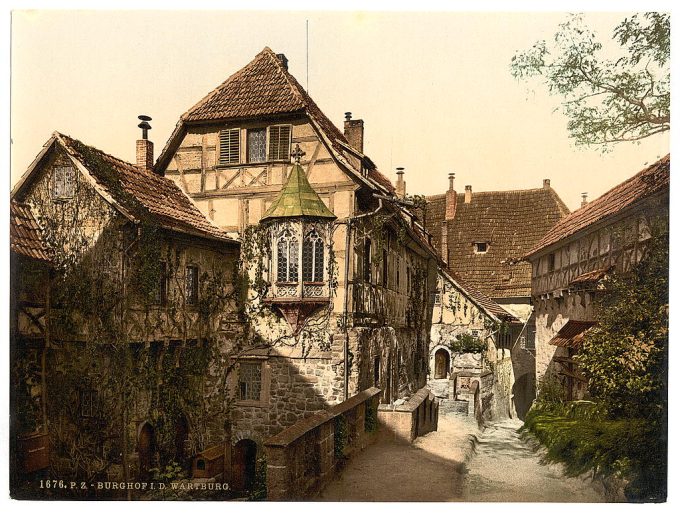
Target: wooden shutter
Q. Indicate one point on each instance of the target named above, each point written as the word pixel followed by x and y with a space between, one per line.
pixel 230 146
pixel 279 142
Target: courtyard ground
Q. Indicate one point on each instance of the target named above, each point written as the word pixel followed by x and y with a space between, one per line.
pixel 443 466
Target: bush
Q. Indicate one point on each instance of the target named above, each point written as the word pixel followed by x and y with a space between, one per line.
pixel 584 439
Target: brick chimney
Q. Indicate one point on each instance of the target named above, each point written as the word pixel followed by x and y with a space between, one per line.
pixel 144 146
pixel 468 193
pixel 546 183
pixel 354 132
pixel 584 199
pixel 401 184
pixel 450 214
pixel 451 199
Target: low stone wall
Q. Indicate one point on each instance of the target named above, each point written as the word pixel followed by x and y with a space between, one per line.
pixel 414 418
pixel 302 458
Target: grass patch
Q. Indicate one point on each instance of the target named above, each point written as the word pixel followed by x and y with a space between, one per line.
pixel 581 438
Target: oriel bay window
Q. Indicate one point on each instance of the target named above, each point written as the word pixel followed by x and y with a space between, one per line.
pixel 300 227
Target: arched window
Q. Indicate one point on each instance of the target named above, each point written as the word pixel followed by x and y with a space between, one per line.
pixel 312 257
pixel 287 258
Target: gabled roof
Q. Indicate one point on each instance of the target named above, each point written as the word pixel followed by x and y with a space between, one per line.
pixel 138 194
pixel 481 300
pixel 264 87
pixel 651 180
pixel 25 237
pixel 297 199
pixel 510 222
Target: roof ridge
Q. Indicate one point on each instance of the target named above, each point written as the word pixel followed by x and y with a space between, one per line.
pixel 222 84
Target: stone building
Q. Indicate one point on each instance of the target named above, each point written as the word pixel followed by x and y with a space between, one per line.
pixel 604 236
pixel 481 238
pixel 463 317
pixel 140 314
pixel 340 296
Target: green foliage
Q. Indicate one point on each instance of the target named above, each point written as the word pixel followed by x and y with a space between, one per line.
pixel 466 343
pixel 169 473
pixel 259 490
pixel 624 357
pixel 371 417
pixel 551 391
pixel 608 100
pixel 340 437
pixel 584 439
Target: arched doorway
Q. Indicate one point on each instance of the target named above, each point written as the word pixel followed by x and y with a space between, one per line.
pixel 181 438
pixel 145 449
pixel 244 463
pixel 442 364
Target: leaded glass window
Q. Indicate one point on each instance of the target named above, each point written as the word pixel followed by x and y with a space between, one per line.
pixel 287 257
pixel 257 145
pixel 249 381
pixel 312 258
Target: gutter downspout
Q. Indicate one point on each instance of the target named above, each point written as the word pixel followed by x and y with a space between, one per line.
pixel 345 306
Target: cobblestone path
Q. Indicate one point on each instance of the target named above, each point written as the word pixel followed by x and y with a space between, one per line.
pixel 505 468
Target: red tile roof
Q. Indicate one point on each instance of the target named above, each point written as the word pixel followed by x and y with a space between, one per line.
pixel 649 181
pixel 264 87
pixel 25 237
pixel 141 193
pixel 510 222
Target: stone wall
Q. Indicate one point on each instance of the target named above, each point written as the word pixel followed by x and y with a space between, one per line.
pixel 302 458
pixel 407 421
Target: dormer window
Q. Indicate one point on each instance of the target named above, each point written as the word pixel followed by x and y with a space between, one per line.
pixel 480 247
pixel 63 179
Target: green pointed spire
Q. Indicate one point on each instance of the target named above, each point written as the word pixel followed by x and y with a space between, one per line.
pixel 297 198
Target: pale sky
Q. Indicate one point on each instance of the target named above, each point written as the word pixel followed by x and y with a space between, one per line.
pixel 434 89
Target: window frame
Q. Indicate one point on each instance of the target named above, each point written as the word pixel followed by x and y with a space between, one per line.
pixel 476 247
pixel 291 242
pixel 161 294
pixel 59 175
pixel 367 260
pixel 316 243
pixel 263 398
pixel 271 157
pixel 266 145
pixel 231 162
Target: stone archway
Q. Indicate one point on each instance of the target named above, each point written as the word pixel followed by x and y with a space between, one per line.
pixel 244 465
pixel 442 364
pixel 146 447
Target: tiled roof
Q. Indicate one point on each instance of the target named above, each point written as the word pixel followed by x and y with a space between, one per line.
pixel 141 193
pixel 647 182
pixel 510 222
pixel 264 87
pixel 25 237
pixel 481 299
pixel 297 198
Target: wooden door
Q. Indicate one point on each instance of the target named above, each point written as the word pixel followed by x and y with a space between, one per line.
pixel 145 449
pixel 244 463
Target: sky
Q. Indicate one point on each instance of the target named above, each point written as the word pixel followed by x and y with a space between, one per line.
pixel 434 89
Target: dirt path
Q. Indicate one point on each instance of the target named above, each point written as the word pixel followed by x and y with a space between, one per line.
pixel 429 470
pixel 504 468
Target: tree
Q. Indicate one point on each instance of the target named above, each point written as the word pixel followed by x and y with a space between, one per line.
pixel 624 357
pixel 610 95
